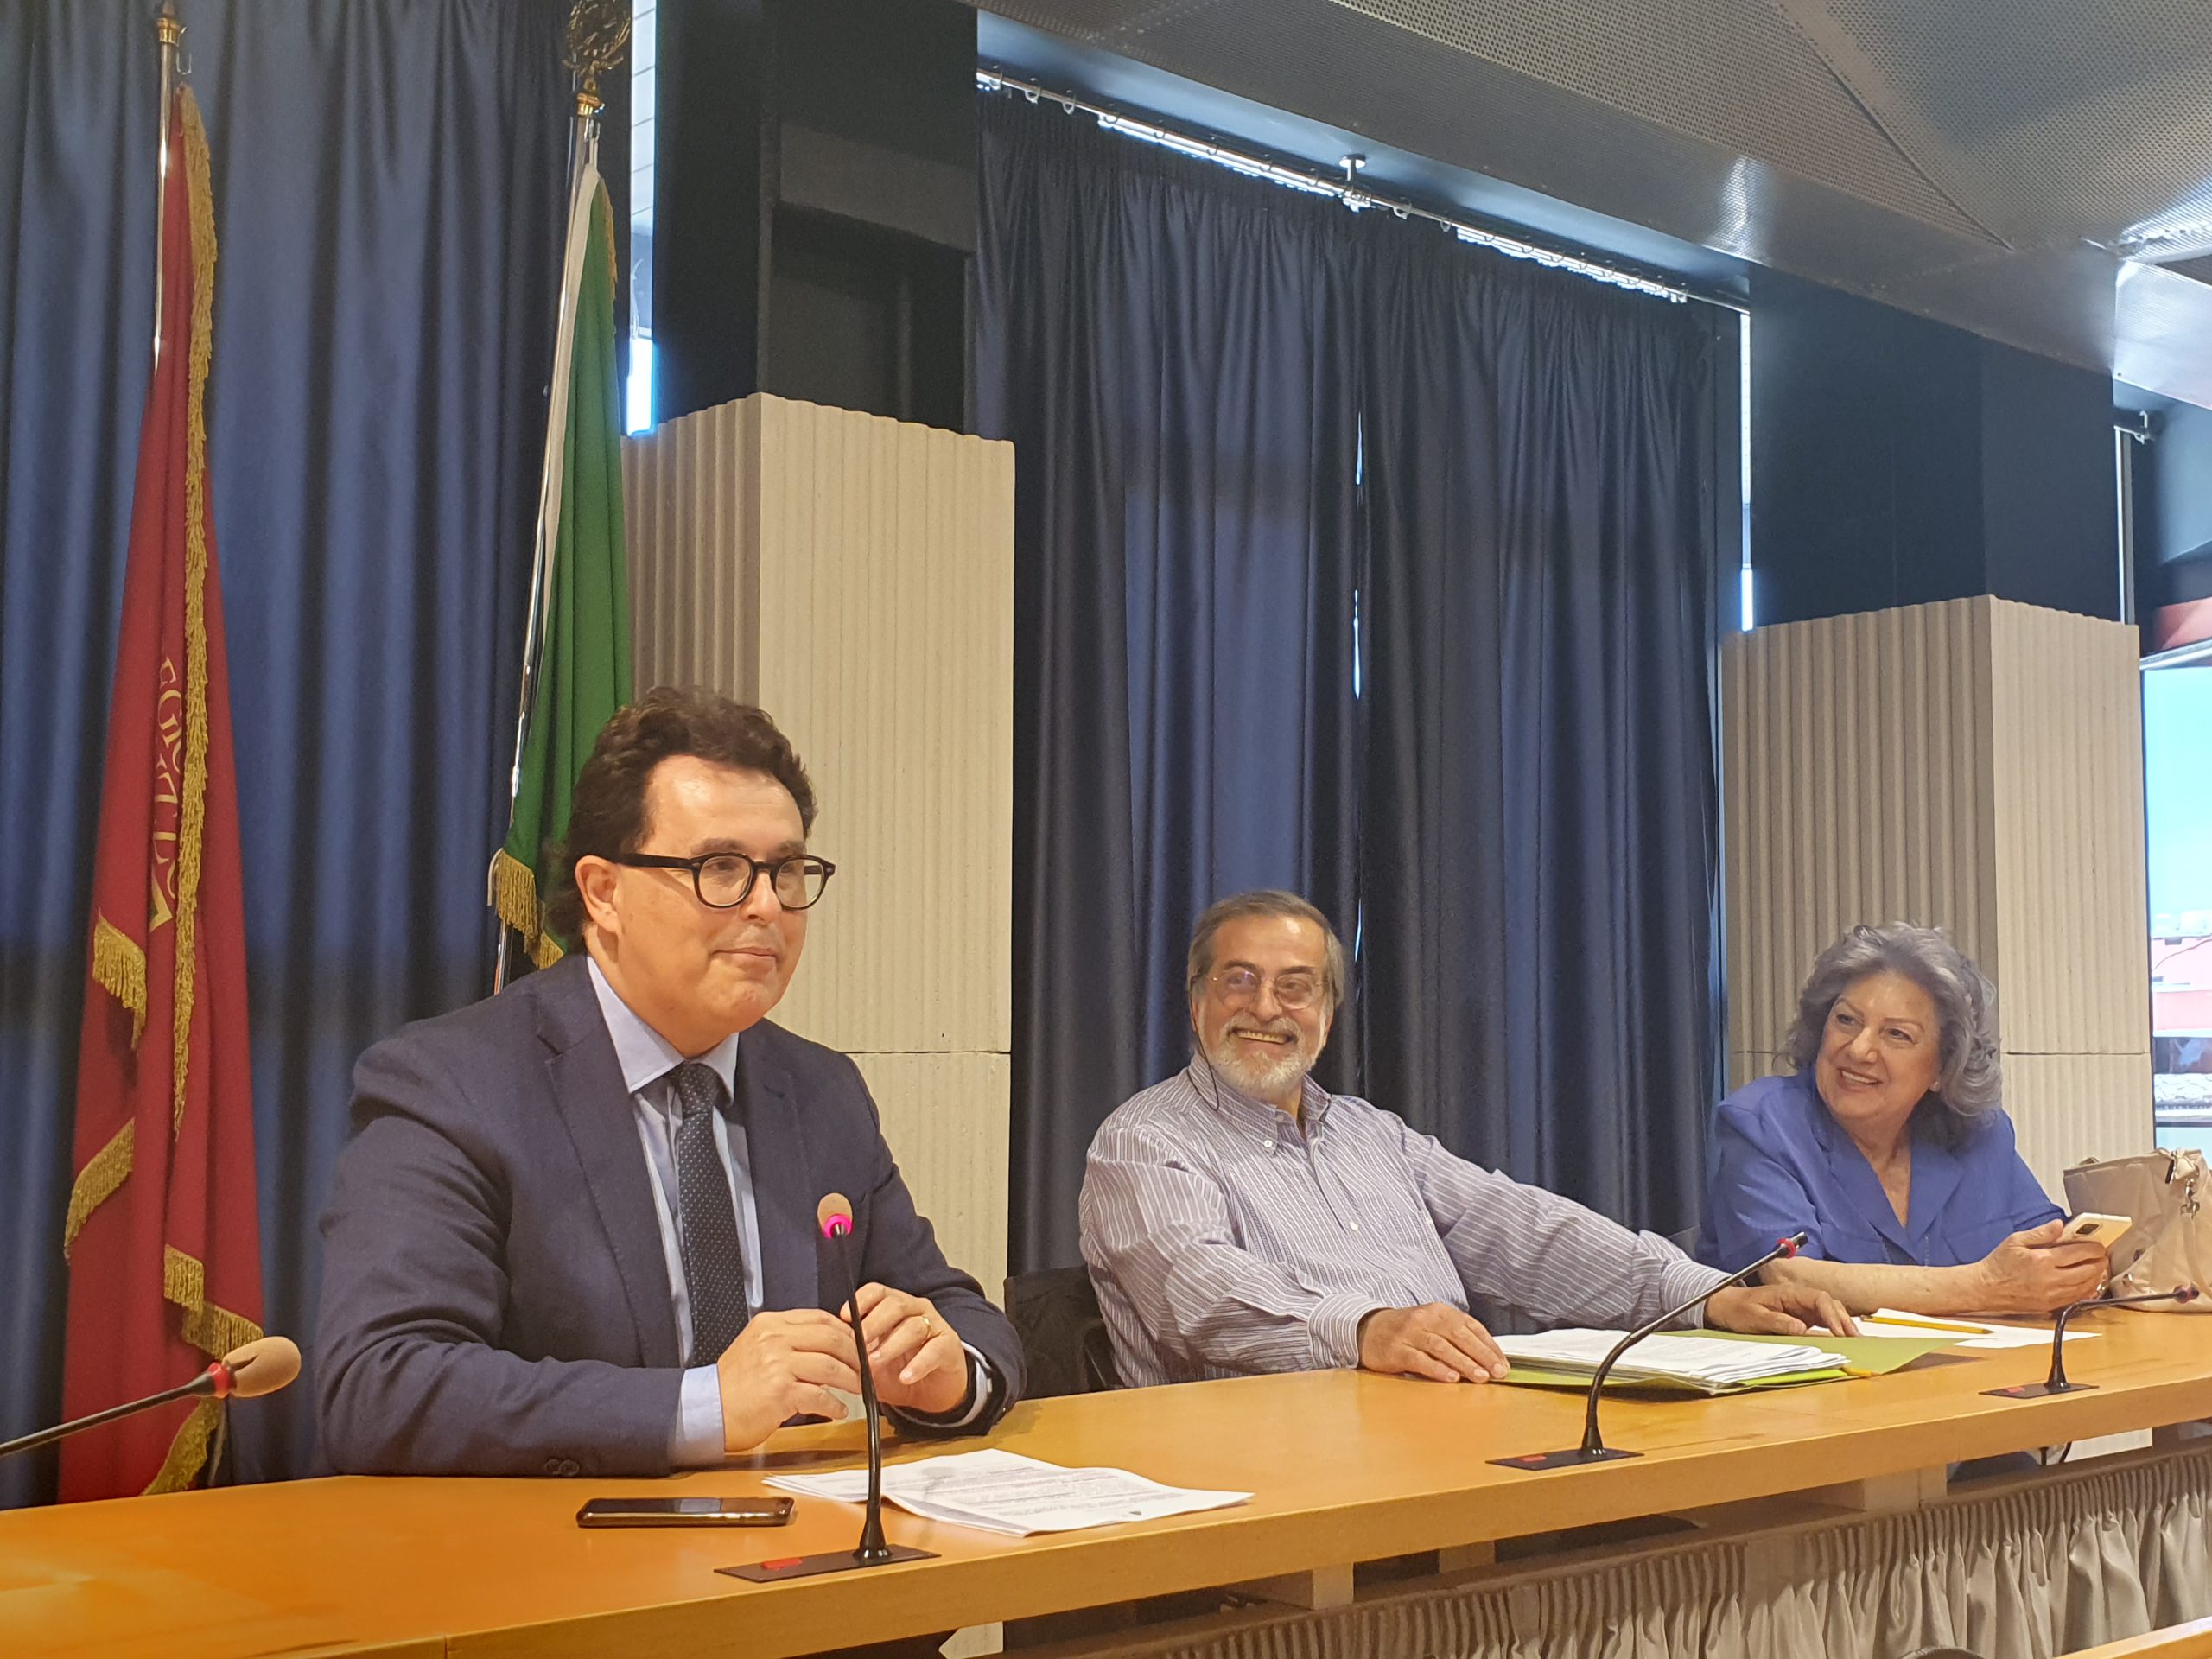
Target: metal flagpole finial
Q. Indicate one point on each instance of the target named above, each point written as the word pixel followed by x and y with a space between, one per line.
pixel 168 30
pixel 598 31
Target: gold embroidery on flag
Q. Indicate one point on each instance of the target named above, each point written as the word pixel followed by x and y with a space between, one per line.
pixel 96 1183
pixel 169 794
pixel 119 968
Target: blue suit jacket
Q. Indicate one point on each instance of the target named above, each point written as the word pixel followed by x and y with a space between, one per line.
pixel 1780 1161
pixel 495 1300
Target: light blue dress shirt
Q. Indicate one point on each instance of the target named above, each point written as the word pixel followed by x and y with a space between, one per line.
pixel 647 1059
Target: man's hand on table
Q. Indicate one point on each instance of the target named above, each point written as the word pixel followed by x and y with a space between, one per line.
pixel 1781 1310
pixel 919 1362
pixel 1435 1340
pixel 783 1365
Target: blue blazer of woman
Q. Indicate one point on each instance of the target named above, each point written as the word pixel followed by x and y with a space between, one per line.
pixel 1780 1161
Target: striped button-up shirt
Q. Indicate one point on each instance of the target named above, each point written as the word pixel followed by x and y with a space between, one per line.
pixel 1226 1237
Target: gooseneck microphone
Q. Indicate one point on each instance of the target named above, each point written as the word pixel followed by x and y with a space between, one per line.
pixel 262 1366
pixel 834 1215
pixel 2056 1382
pixel 1593 1448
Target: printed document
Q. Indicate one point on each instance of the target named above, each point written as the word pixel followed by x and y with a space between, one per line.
pixel 1003 1492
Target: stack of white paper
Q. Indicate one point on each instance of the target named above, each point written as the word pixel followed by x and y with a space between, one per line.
pixel 1000 1491
pixel 1972 1333
pixel 1706 1364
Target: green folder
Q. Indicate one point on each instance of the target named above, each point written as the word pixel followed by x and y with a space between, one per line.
pixel 1864 1356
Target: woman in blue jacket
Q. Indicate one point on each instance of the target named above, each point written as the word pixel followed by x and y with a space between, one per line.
pixel 1886 1144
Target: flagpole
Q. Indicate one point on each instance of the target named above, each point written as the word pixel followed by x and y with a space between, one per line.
pixel 599 32
pixel 169 31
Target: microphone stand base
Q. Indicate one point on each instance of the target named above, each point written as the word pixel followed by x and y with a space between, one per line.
pixel 1535 1462
pixel 832 1560
pixel 2038 1390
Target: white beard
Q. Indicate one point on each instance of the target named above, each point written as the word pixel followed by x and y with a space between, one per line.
pixel 1258 1075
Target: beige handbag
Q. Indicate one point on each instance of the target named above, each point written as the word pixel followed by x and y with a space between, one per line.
pixel 2168 1197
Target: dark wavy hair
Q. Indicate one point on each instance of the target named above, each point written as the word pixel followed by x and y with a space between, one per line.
pixel 607 812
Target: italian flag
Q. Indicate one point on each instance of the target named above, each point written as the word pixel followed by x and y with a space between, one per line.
pixel 579 643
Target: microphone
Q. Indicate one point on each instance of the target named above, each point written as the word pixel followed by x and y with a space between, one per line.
pixel 2056 1382
pixel 1593 1448
pixel 262 1366
pixel 834 1215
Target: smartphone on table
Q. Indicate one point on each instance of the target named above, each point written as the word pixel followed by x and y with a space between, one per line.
pixel 685 1512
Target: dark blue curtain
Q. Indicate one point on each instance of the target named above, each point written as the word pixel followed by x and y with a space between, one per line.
pixel 388 193
pixel 1540 842
pixel 1166 346
pixel 1244 420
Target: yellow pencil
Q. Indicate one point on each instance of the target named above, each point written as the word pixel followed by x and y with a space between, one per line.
pixel 1927 1324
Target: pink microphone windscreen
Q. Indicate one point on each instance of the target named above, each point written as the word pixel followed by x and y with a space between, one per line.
pixel 262 1366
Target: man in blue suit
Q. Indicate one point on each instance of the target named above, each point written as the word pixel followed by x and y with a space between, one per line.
pixel 574 1231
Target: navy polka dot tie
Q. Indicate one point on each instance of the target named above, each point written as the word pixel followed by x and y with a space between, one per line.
pixel 714 1261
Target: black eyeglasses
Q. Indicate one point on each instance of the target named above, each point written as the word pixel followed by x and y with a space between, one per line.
pixel 724 881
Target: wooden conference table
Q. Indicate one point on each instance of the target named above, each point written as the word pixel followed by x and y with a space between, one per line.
pixel 1343 1466
pixel 2190 1641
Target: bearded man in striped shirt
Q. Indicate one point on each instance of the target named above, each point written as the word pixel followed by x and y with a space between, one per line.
pixel 1239 1218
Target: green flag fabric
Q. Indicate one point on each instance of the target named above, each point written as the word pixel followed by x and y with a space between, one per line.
pixel 584 649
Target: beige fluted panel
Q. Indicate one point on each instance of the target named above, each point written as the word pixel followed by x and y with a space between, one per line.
pixel 1975 764
pixel 2067 708
pixel 944 1116
pixel 854 577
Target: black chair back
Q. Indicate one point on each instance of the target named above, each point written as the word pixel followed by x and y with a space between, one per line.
pixel 1064 1337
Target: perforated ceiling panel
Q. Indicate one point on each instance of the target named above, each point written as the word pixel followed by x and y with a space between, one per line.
pixel 2060 118
pixel 1980 162
pixel 1734 73
pixel 1101 21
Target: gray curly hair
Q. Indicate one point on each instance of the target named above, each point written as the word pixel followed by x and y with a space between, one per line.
pixel 1969 1076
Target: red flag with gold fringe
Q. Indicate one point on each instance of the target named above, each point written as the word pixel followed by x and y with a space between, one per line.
pixel 162 1237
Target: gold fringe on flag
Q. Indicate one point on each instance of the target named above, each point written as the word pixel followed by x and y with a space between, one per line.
pixel 193 811
pixel 189 1451
pixel 96 1182
pixel 119 968
pixel 213 1330
pixel 514 895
